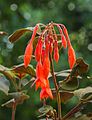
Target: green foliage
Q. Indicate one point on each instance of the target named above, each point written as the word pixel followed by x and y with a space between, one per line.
pixel 4 85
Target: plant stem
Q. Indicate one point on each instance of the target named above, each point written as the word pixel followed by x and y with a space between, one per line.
pixel 13 111
pixel 71 112
pixel 56 87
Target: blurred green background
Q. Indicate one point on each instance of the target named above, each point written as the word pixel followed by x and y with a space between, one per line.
pixel 15 14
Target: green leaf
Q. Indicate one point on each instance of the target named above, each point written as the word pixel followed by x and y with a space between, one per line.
pixel 19 97
pixel 81 66
pixel 18 33
pixel 21 69
pixel 84 93
pixel 16 97
pixel 84 117
pixel 81 117
pixel 9 103
pixel 65 95
pixel 45 110
pixel 4 85
pixel 70 84
pixel 7 72
pixel 62 74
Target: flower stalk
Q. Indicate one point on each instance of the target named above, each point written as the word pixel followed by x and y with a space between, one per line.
pixel 13 111
pixel 56 87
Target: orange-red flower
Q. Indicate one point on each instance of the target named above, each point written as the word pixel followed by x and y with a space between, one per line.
pixel 40 81
pixel 28 54
pixel 38 50
pixel 56 52
pixel 71 52
pixel 71 56
pixel 48 45
pixel 29 48
pixel 45 93
pixel 34 33
pixel 64 43
pixel 46 67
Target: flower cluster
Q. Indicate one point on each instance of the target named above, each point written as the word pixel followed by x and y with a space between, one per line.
pixel 47 45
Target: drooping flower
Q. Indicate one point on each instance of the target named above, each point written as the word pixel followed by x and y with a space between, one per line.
pixel 40 81
pixel 47 45
pixel 66 35
pixel 64 43
pixel 34 33
pixel 56 52
pixel 45 93
pixel 28 54
pixel 29 48
pixel 38 50
pixel 71 52
pixel 71 56
pixel 46 67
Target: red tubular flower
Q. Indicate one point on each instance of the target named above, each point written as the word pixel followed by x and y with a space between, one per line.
pixel 45 93
pixel 38 50
pixel 39 70
pixel 71 56
pixel 46 67
pixel 28 54
pixel 40 81
pixel 47 44
pixel 71 52
pixel 56 52
pixel 66 35
pixel 29 48
pixel 34 33
pixel 64 43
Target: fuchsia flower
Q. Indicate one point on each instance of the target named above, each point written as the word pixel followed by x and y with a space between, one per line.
pixel 28 54
pixel 29 48
pixel 47 45
pixel 64 42
pixel 71 56
pixel 71 52
pixel 38 50
pixel 56 51
pixel 45 93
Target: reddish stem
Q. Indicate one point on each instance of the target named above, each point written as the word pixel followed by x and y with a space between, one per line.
pixel 13 111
